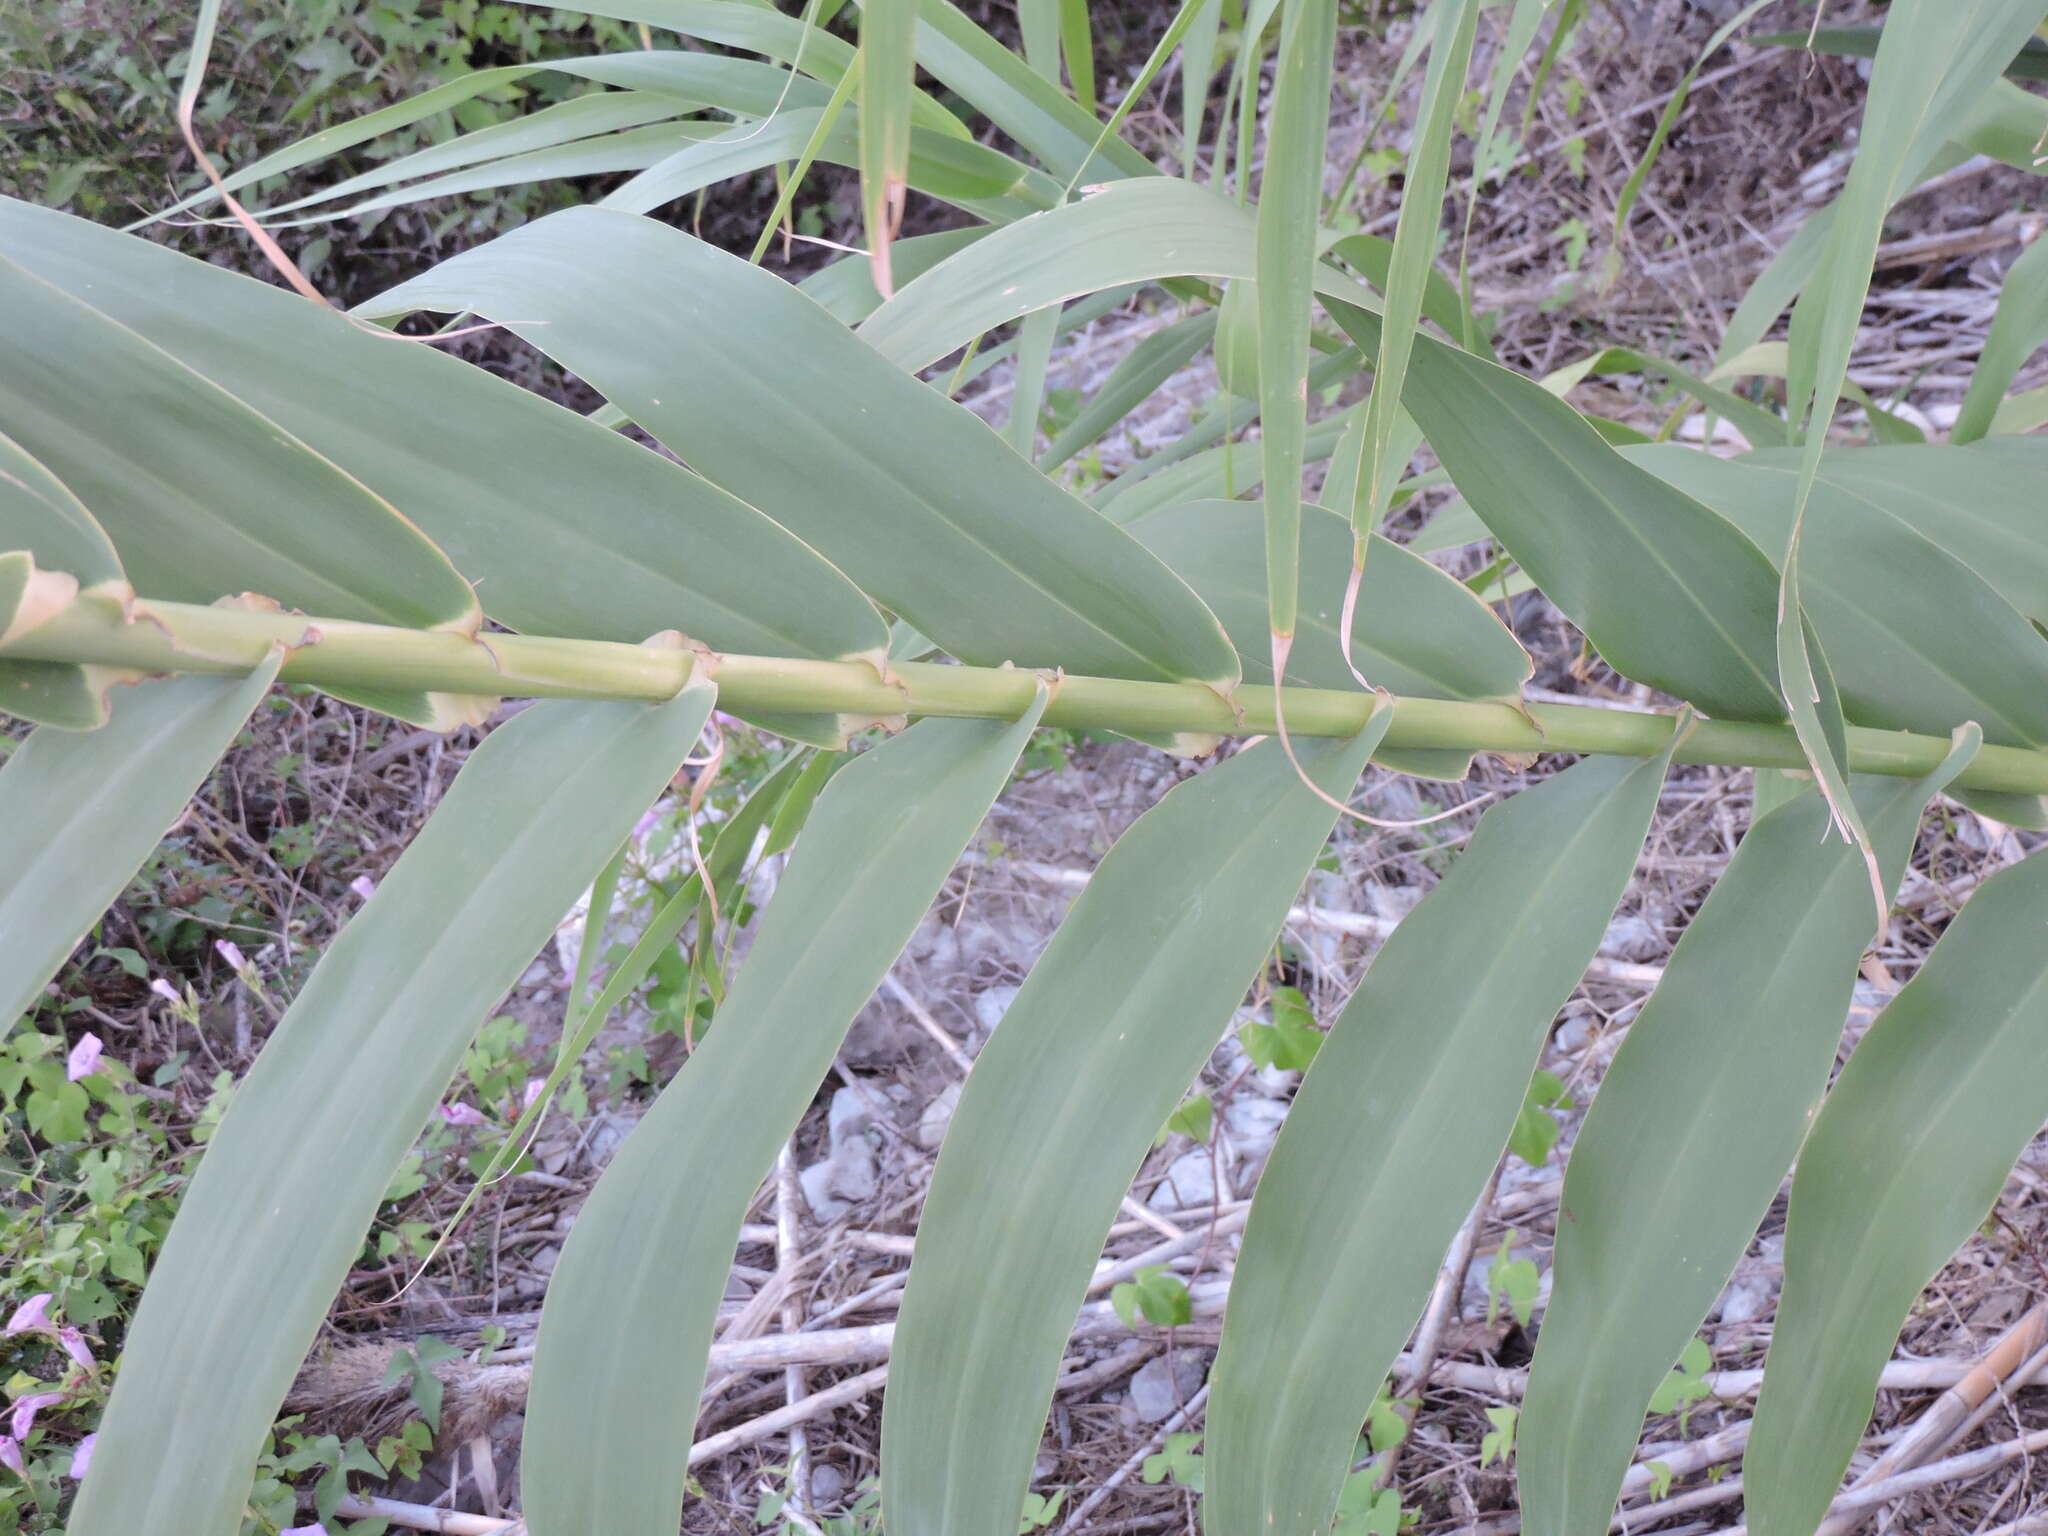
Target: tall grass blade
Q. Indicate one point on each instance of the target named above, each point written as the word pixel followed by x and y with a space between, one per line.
pixel 888 65
pixel 1290 204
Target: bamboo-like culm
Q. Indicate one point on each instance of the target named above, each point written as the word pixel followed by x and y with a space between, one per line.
pixel 160 637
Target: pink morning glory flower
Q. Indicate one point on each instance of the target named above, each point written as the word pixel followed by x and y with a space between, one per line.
pixel 32 1316
pixel 10 1456
pixel 165 990
pixel 26 1409
pixel 74 1345
pixel 84 1059
pixel 231 952
pixel 461 1114
pixel 363 886
pixel 81 1457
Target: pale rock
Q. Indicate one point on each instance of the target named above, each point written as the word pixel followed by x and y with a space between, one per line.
pixel 833 1187
pixel 1189 1182
pixel 1164 1383
pixel 1391 903
pixel 931 1125
pixel 828 1485
pixel 1327 888
pixel 1633 936
pixel 602 1139
pixel 1252 1125
pixel 852 1111
pixel 1750 1294
pixel 991 1005
pixel 1573 1034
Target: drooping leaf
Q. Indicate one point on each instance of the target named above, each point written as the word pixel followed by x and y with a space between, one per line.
pixel 1908 1153
pixel 277 1212
pixel 80 813
pixel 1659 1200
pixel 1979 505
pixel 1091 1058
pixel 1918 639
pixel 1671 593
pixel 1935 56
pixel 631 1306
pixel 202 495
pixel 567 528
pixel 1365 1189
pixel 916 499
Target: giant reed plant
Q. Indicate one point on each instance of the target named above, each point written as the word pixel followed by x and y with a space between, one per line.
pixel 208 484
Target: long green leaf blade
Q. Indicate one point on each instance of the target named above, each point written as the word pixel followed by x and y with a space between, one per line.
pixel 1410 266
pixel 1660 1202
pixel 1290 201
pixel 568 529
pixel 1923 640
pixel 1908 1153
pixel 888 66
pixel 1934 58
pixel 202 495
pixel 290 1183
pixel 1364 1191
pixel 1091 1058
pixel 1670 592
pixel 914 497
pixel 631 1306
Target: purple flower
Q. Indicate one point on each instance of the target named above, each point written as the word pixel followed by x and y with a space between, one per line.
pixel 534 1085
pixel 32 1316
pixel 231 952
pixel 165 990
pixel 74 1345
pixel 315 1529
pixel 461 1114
pixel 363 886
pixel 10 1456
pixel 26 1409
pixel 84 1059
pixel 81 1457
